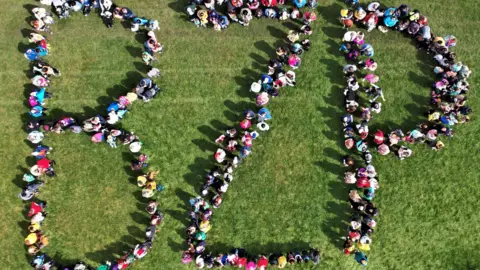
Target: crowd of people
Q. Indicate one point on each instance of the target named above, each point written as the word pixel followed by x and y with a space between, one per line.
pixel 448 106
pixel 204 13
pixel 234 146
pixel 101 127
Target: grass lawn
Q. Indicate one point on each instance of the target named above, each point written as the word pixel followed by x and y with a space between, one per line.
pixel 289 194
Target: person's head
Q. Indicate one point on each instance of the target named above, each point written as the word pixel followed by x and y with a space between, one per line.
pixel 217 200
pixel 360 35
pixel 32 250
pixel 35 23
pixel 259 13
pixel 439 145
pixel 352 108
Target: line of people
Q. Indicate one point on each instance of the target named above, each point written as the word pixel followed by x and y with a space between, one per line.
pixel 235 145
pixel 101 126
pixel 205 13
pixel 448 101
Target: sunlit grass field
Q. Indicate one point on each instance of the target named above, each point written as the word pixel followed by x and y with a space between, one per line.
pixel 289 194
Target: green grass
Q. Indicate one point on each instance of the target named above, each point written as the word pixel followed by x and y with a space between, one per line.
pixel 289 193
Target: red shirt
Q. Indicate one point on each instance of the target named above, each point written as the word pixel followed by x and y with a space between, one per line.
pixel 354 235
pixel 242 262
pixel 34 209
pixel 262 262
pixel 363 182
pixel 43 163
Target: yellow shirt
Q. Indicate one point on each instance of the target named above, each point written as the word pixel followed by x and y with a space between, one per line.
pixel 43 241
pixel 205 226
pixel 131 97
pixel 282 262
pixel 141 181
pixel 363 247
pixel 152 185
pixel 31 239
pixel 34 227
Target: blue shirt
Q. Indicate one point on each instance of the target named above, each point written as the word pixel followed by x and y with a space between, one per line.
pixel 40 95
pixel 368 50
pixel 146 82
pixel 223 21
pixel 390 21
pixel 266 78
pixel 299 3
pixel 140 21
pixel 41 51
pixel 31 55
pixel 36 111
pixel 265 114
pixel 77 7
pixel 113 106
pixel 128 15
pixel 245 148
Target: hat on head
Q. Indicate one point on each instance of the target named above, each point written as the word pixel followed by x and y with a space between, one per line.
pixel 255 87
pixel 135 147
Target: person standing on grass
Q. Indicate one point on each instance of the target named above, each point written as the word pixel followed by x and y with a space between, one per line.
pixel 361 258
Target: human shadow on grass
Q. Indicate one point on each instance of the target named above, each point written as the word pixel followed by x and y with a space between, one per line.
pixel 26 32
pixel 244 81
pixel 23 47
pixel 339 211
pixel 258 59
pixel 126 242
pixel 332 114
pixel 236 109
pixel 336 226
pixel 29 8
pixel 134 51
pixel 181 217
pixel 132 175
pixel 197 173
pixel 259 65
pixel 333 32
pixel 18 180
pixel 141 67
pixel 330 13
pixel 333 47
pixel 335 77
pixel 61 261
pixel 279 34
pixel 265 47
pixel 114 250
pixel 179 6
